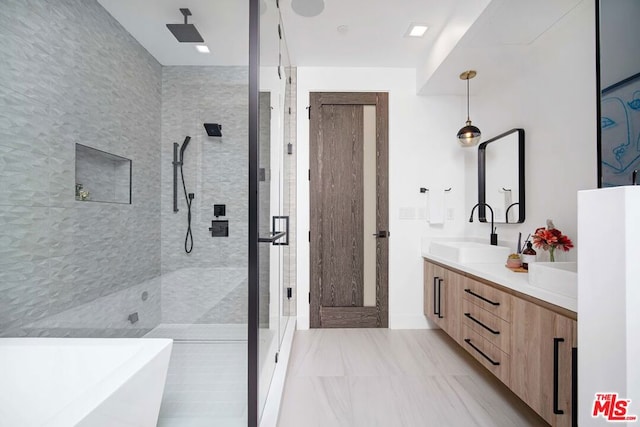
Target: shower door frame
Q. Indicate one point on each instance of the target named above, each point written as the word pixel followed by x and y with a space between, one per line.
pixel 253 273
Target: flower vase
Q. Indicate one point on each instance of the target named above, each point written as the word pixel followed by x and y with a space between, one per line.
pixel 552 252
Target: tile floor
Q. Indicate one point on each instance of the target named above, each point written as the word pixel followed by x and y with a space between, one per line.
pixel 383 377
pixel 206 385
pixel 207 378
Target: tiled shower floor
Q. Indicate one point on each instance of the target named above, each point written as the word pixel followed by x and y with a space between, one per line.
pixel 207 378
pixel 206 385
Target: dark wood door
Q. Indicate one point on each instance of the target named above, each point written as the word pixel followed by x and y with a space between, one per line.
pixel 338 183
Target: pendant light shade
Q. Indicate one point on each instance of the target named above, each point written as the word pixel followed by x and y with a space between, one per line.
pixel 469 135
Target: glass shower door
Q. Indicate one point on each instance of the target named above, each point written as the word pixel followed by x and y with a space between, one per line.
pixel 273 223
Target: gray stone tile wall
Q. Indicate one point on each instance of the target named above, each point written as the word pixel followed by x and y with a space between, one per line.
pixel 71 74
pixel 215 169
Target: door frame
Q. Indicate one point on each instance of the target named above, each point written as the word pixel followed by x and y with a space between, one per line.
pixel 379 314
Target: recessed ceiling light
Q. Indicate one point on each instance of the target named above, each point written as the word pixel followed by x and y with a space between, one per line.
pixel 416 30
pixel 202 48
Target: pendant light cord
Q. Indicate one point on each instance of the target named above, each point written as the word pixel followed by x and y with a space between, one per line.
pixel 468 99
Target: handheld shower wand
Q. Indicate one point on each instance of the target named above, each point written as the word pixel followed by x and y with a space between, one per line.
pixel 179 161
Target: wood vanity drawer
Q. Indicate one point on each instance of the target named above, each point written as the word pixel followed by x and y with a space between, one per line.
pixel 490 356
pixel 488 298
pixel 494 329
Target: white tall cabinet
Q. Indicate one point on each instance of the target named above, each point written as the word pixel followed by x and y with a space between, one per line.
pixel 608 298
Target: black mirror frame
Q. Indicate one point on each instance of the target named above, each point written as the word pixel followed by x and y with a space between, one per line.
pixel 482 169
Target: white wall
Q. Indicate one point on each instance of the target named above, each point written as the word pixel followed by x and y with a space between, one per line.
pixel 554 100
pixel 422 153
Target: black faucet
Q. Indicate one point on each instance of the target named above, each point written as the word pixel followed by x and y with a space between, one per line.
pixel 506 214
pixel 494 236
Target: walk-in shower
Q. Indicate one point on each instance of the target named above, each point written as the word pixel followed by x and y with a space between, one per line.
pixel 120 266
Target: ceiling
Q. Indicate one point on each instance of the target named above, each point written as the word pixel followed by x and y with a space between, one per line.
pixel 223 24
pixel 375 35
pixel 462 34
pixel 498 36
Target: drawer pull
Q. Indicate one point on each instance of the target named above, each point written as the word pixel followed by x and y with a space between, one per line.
pixel 482 324
pixel 469 291
pixel 468 341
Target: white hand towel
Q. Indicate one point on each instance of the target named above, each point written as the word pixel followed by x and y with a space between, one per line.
pixel 436 205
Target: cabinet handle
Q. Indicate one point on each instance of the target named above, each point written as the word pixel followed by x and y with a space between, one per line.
pixel 469 291
pixel 482 324
pixel 435 298
pixel 556 344
pixel 440 316
pixel 468 341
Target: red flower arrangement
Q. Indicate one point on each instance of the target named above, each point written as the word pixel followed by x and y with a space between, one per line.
pixel 549 239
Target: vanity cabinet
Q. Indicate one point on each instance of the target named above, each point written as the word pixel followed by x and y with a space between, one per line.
pixel 442 298
pixel 526 343
pixel 486 327
pixel 541 367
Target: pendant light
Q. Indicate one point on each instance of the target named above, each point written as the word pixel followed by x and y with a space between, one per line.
pixel 469 135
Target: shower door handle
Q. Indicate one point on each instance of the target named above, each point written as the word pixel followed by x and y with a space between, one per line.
pixel 272 238
pixel 277 235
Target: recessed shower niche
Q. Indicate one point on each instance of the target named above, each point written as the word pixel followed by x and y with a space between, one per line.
pixel 102 176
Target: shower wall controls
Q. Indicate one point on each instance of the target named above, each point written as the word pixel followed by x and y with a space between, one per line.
pixel 219 210
pixel 219 228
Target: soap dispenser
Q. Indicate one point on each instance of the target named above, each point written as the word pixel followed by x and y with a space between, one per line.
pixel 528 256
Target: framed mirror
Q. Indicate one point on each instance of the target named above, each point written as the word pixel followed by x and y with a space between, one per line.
pixel 618 80
pixel 501 178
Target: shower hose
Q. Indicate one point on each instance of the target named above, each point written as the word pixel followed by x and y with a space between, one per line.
pixel 188 239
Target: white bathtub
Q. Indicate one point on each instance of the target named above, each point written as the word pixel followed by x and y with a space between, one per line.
pixel 82 381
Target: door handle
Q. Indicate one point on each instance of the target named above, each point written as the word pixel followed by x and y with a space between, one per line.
pixel 435 296
pixel 382 234
pixel 440 316
pixel 274 236
pixel 556 374
pixel 286 229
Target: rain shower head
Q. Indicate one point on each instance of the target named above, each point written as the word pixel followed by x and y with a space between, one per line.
pixel 185 33
pixel 213 129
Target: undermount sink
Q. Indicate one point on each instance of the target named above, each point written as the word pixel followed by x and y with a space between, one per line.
pixel 557 277
pixel 469 252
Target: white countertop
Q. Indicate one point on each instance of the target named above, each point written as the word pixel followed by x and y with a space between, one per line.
pixel 501 275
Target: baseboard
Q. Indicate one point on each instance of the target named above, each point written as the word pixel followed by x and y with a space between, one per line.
pixel 409 321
